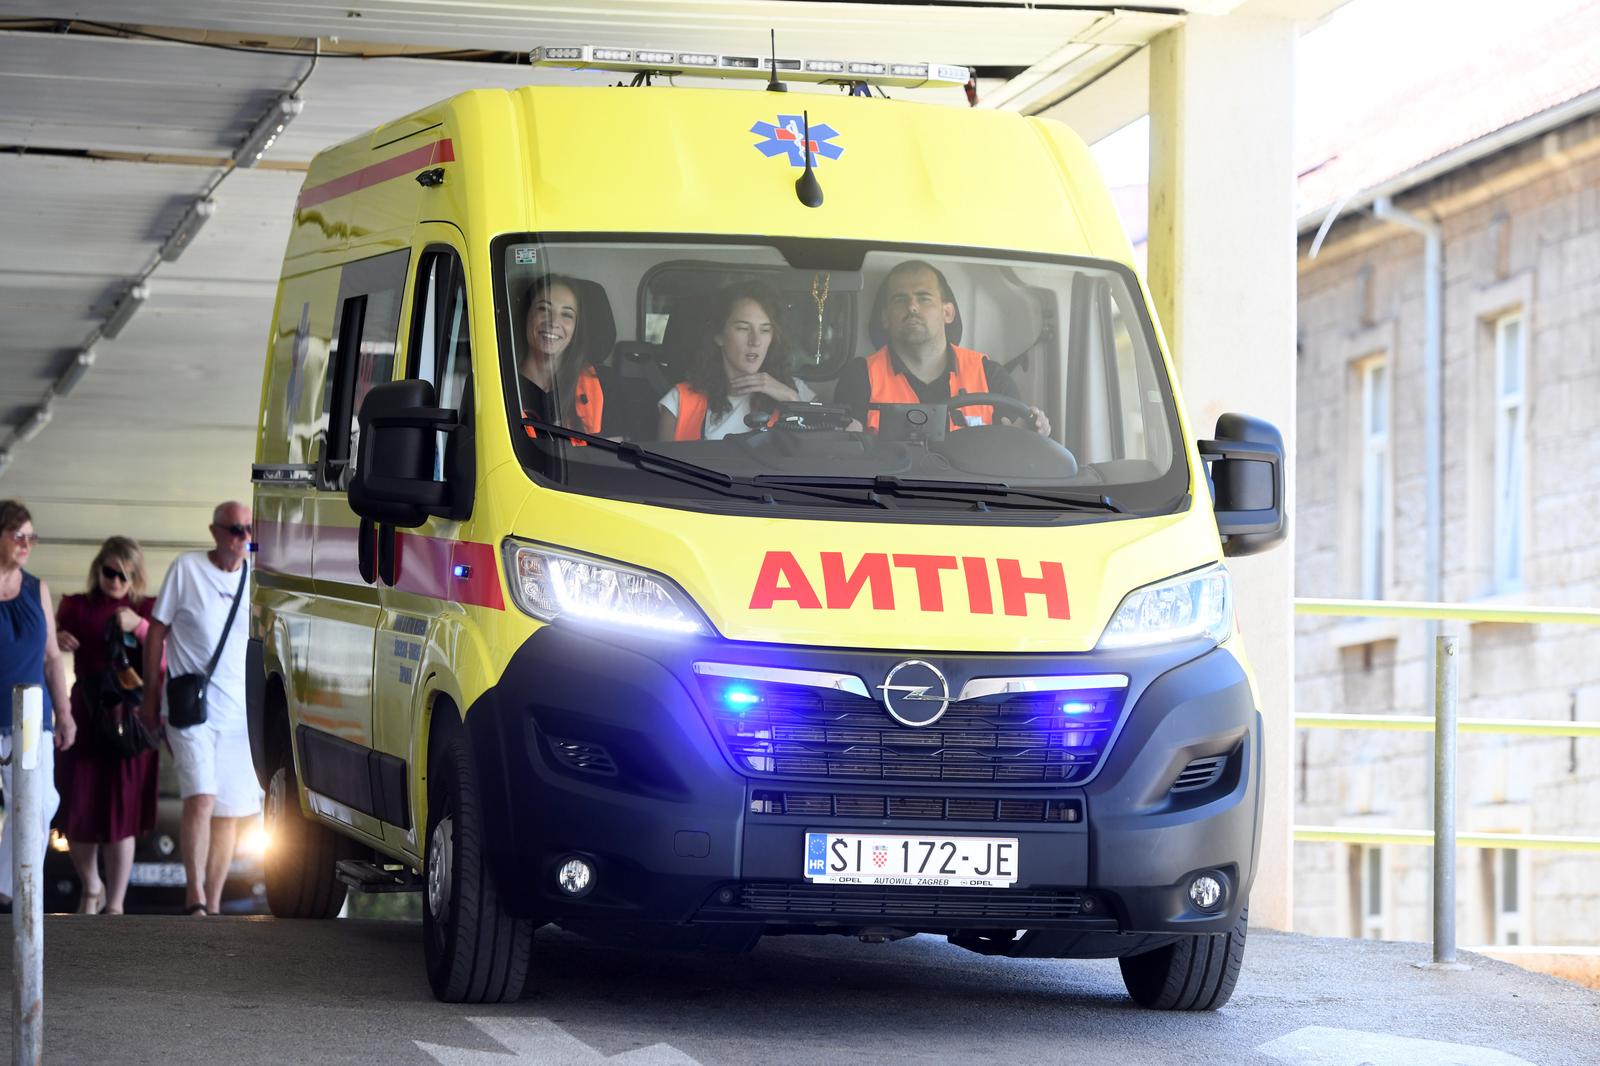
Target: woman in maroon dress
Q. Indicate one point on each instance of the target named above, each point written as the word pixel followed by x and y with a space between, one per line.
pixel 106 800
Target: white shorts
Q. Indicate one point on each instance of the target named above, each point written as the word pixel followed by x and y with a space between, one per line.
pixel 211 763
pixel 49 800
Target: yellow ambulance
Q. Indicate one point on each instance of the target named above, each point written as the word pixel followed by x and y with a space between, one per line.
pixel 689 514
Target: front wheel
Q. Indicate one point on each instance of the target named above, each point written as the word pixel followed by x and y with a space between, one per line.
pixel 301 855
pixel 476 950
pixel 1196 973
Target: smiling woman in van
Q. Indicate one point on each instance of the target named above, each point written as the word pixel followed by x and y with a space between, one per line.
pixel 743 369
pixel 559 381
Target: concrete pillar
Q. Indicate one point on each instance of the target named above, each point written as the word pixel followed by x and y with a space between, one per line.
pixel 1222 272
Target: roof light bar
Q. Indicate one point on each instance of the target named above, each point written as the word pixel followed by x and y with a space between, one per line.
pixel 708 64
pixel 266 130
pixel 192 220
pixel 126 306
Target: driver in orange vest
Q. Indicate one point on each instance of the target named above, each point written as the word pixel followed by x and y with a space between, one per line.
pixel 919 364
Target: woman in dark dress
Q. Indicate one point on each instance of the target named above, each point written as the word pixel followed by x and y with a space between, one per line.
pixel 107 800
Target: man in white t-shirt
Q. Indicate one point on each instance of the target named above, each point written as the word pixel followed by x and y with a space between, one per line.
pixel 215 776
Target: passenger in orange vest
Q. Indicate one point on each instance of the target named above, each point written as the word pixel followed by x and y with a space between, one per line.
pixel 919 364
pixel 559 384
pixel 742 370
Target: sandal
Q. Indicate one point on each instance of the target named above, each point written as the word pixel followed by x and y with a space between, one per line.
pixel 196 908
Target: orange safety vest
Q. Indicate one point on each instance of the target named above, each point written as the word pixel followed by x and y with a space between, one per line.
pixel 890 386
pixel 590 400
pixel 692 407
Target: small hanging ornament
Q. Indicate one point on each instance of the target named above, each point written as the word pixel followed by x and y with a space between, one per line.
pixel 819 295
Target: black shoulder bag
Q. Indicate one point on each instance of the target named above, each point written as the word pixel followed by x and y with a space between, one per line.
pixel 186 693
pixel 116 722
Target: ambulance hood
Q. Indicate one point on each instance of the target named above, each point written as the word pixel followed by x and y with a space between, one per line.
pixel 889 585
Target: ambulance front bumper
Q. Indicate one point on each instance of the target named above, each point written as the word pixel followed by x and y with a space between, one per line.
pixel 613 754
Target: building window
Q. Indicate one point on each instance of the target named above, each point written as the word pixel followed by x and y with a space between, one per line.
pixel 1508 923
pixel 1375 488
pixel 1510 451
pixel 1372 886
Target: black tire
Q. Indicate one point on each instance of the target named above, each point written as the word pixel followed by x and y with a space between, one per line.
pixel 300 862
pixel 476 950
pixel 1196 973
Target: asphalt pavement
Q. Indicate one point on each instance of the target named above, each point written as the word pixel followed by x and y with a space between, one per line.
pixel 175 990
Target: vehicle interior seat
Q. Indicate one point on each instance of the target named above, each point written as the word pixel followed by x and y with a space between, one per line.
pixel 630 403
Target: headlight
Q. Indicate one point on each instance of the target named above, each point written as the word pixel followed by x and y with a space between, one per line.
pixel 1197 604
pixel 551 584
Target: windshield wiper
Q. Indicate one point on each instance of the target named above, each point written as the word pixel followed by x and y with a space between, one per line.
pixel 681 469
pixel 640 457
pixel 934 488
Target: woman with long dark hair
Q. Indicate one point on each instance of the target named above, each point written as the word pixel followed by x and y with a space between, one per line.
pixel 107 799
pixel 743 369
pixel 559 381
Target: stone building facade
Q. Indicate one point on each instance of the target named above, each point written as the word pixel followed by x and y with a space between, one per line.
pixel 1521 525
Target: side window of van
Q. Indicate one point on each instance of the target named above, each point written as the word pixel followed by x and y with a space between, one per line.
pixel 366 325
pixel 441 347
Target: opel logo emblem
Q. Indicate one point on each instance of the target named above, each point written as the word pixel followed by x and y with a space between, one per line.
pixel 915 693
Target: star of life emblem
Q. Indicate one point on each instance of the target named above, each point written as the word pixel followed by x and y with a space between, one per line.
pixel 783 138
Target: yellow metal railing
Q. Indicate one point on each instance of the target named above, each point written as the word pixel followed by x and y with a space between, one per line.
pixel 1424 837
pixel 1416 723
pixel 1444 838
pixel 1454 612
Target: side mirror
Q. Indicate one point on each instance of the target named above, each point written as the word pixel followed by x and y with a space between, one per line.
pixel 1247 483
pixel 397 429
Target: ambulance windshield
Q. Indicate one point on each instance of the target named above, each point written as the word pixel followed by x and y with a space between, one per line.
pixel 794 373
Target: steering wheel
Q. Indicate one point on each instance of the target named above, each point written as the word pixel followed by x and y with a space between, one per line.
pixel 994 399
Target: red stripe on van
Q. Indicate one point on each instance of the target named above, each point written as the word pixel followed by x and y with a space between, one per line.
pixel 428 155
pixel 427 566
pixel 283 547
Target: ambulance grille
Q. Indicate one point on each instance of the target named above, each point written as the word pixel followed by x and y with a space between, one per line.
pixel 929 808
pixel 894 901
pixel 797 732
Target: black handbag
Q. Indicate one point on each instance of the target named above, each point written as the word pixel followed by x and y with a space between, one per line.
pixel 186 693
pixel 116 722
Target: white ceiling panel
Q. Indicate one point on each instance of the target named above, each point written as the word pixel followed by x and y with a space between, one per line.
pixel 993 34
pixel 89 216
pixel 77 92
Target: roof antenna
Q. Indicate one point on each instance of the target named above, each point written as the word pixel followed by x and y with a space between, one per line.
pixel 806 185
pixel 773 84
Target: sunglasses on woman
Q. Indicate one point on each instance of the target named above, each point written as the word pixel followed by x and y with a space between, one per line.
pixel 24 538
pixel 111 573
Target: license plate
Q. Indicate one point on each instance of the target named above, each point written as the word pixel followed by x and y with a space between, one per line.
pixel 157 873
pixel 948 862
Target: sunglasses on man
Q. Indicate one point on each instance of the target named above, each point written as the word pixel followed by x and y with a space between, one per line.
pixel 235 530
